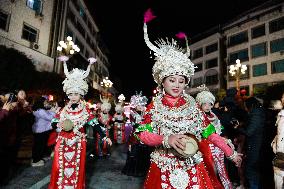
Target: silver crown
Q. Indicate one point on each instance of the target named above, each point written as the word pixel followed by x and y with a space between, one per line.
pixel 170 59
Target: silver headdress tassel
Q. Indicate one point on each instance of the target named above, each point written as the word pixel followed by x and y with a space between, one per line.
pixel 170 59
pixel 204 96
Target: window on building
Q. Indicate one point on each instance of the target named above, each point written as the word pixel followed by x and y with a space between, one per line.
pixel 36 5
pixel 80 29
pixel 104 72
pixel 197 81
pixel 276 25
pixel 277 45
pixel 238 38
pixel 197 53
pixel 4 21
pixel 211 79
pixel 88 39
pixel 258 31
pixel 87 54
pixel 242 55
pixel 29 33
pixel 69 32
pixel 199 67
pixel 277 66
pixel 259 88
pixel 258 50
pixel 79 44
pixel 82 13
pixel 211 63
pixel 211 48
pixel 71 16
pixel 259 70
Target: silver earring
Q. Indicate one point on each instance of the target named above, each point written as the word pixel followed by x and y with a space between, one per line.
pixel 164 91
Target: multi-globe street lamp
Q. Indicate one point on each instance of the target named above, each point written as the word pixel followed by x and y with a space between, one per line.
pixel 236 71
pixel 67 47
pixel 106 84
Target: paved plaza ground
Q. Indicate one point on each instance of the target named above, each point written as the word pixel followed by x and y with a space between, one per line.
pixel 101 173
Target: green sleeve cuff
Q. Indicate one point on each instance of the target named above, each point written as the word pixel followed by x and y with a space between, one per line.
pixel 144 127
pixel 210 129
pixel 93 122
pixel 54 120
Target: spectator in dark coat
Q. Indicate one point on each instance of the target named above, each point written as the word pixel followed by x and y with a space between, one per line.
pixel 8 139
pixel 253 131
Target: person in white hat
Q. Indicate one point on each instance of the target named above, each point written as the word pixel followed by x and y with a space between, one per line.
pixel 213 147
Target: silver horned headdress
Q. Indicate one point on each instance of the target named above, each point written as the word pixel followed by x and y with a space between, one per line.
pixel 170 59
pixel 119 106
pixel 106 106
pixel 204 96
pixel 138 100
pixel 75 81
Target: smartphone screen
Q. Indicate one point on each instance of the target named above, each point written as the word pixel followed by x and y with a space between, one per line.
pixel 11 98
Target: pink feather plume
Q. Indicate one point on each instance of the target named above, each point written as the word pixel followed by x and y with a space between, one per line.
pixel 181 35
pixel 148 16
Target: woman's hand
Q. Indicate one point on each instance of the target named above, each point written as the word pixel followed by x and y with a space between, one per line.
pixel 238 159
pixel 7 106
pixel 108 140
pixel 176 142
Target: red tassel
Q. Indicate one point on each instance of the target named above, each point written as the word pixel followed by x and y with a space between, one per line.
pixel 181 35
pixel 148 16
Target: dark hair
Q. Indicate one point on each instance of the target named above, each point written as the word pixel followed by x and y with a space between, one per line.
pixel 39 104
pixel 251 103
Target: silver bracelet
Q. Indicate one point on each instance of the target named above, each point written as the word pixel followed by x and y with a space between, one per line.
pixel 231 157
pixel 165 142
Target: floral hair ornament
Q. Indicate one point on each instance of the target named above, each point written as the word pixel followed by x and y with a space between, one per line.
pixel 75 81
pixel 204 95
pixel 169 58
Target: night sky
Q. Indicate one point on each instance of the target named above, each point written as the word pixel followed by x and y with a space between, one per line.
pixel 121 28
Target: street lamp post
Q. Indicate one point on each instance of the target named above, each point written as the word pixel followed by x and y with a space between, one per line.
pixel 67 47
pixel 236 71
pixel 106 84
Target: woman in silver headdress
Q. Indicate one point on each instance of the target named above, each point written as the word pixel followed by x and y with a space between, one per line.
pixel 173 123
pixel 138 154
pixel 68 169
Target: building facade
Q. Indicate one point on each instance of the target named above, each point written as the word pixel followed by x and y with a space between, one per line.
pixel 256 37
pixel 208 60
pixel 26 26
pixel 73 19
pixel 35 27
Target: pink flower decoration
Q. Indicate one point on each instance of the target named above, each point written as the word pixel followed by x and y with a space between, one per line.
pixel 63 58
pixel 92 60
pixel 181 35
pixel 148 16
